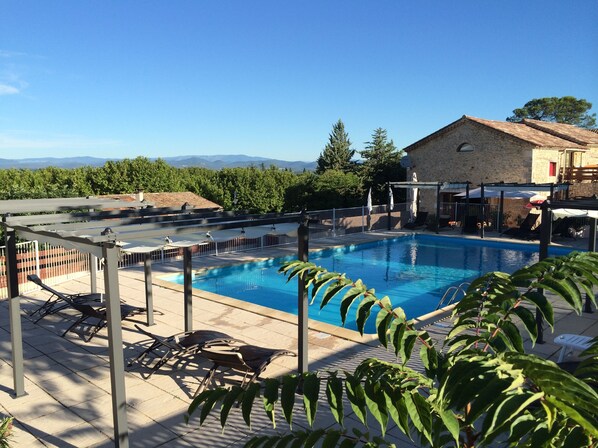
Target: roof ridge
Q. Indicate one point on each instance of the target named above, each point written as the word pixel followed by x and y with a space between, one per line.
pixel 532 135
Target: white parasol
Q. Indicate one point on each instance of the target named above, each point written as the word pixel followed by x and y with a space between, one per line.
pixel 413 198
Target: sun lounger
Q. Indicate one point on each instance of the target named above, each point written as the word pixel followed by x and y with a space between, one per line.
pixel 96 313
pixel 250 360
pixel 90 306
pixel 58 300
pixel 179 345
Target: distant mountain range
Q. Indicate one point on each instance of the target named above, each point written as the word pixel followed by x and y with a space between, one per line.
pixel 212 162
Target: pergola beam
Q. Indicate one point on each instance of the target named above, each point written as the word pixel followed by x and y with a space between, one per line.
pixel 63 204
pixel 119 216
pixel 88 233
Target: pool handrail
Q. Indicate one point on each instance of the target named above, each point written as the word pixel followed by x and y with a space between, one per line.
pixel 461 288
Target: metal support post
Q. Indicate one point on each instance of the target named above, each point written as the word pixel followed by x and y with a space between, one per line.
pixel 545 234
pixel 438 209
pixel 501 206
pixel 188 288
pixel 14 311
pixel 483 208
pixel 303 255
pixel 149 295
pixel 111 255
pixel 466 214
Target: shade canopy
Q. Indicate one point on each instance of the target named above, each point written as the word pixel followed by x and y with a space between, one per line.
pixel 106 234
pixel 476 193
pixel 573 213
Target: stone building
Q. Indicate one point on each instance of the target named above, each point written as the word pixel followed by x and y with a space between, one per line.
pixel 478 150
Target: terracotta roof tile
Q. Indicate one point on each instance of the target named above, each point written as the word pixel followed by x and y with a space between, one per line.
pixel 527 133
pixel 566 131
pixel 172 199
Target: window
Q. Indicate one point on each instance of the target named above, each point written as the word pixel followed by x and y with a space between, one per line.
pixel 465 147
pixel 552 169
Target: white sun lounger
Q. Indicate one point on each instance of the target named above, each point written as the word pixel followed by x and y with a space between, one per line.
pixel 571 342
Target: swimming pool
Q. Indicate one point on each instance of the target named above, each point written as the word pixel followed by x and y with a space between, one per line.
pixel 413 270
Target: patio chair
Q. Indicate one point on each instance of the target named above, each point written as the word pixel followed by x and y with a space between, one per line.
pixel 58 300
pixel 525 229
pixel 250 360
pixel 570 343
pixel 179 345
pixel 420 221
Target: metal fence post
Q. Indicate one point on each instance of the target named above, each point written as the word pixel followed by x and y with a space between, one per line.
pixel 333 222
pixel 303 255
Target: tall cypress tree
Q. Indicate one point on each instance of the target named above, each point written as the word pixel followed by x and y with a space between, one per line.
pixel 381 163
pixel 337 154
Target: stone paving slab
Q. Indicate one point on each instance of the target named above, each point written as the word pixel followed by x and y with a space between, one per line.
pixel 67 380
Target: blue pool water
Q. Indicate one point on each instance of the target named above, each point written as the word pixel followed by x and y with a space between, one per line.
pixel 414 271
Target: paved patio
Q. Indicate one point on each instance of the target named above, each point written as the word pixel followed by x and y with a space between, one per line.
pixel 68 385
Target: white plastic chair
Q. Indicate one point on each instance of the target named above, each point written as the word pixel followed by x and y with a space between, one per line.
pixel 571 342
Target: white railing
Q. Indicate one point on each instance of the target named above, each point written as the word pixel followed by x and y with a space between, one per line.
pixel 46 261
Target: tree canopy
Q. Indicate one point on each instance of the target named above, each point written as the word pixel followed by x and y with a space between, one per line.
pixel 567 109
pixel 337 154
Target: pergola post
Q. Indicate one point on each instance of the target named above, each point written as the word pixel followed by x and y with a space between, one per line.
pixel 188 288
pixel 591 248
pixel 14 311
pixel 303 255
pixel 483 210
pixel 466 214
pixel 111 254
pixel 545 236
pixel 437 208
pixel 501 205
pixel 149 295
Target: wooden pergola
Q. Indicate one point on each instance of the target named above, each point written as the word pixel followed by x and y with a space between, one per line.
pixel 86 225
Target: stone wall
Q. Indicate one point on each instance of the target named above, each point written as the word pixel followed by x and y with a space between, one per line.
pixel 541 164
pixel 584 190
pixel 495 157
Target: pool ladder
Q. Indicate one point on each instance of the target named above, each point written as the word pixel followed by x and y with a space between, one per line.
pixel 455 290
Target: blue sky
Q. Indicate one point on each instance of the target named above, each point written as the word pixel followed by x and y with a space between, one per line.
pixel 269 78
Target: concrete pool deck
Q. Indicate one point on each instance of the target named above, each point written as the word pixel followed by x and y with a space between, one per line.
pixel 67 380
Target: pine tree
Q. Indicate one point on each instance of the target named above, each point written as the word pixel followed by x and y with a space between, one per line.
pixel 337 154
pixel 381 163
